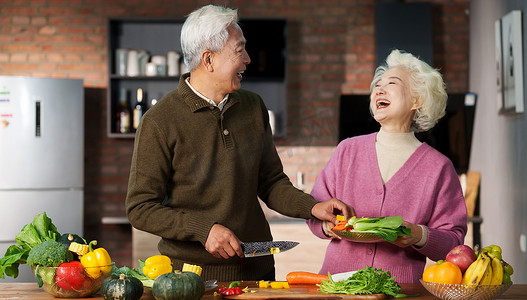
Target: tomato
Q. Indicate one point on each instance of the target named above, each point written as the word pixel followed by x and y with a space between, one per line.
pixel 445 272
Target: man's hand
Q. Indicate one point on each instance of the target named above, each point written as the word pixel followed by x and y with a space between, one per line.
pixel 222 243
pixel 328 210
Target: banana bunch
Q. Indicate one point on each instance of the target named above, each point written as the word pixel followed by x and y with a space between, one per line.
pixel 488 269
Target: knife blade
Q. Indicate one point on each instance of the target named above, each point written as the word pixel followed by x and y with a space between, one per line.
pixel 255 249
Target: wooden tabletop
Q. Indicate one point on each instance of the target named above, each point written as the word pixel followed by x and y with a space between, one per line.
pixel 31 291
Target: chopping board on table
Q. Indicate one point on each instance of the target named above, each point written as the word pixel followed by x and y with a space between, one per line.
pixel 299 292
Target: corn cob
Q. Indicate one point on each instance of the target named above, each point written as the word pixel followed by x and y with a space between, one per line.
pixel 192 268
pixel 79 249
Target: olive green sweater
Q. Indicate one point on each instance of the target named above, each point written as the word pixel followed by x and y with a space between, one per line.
pixel 194 166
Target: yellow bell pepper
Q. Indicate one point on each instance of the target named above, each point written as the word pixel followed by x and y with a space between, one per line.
pixel 263 284
pixel 273 284
pixel 96 262
pixel 279 285
pixel 157 265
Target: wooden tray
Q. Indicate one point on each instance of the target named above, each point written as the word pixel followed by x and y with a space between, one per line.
pixel 298 292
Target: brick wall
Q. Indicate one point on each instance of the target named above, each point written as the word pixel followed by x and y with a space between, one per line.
pixel 330 51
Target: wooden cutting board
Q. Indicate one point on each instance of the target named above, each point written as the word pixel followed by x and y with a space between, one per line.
pixel 299 292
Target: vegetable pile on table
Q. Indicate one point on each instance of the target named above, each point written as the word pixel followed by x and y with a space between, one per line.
pixel 158 278
pixel 387 228
pixel 65 265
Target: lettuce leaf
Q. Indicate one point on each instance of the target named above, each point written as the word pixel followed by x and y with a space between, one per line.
pixel 32 234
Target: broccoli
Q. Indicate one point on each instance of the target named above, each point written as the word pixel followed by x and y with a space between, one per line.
pixel 49 254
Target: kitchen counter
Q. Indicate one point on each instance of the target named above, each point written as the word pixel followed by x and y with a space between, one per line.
pixel 31 291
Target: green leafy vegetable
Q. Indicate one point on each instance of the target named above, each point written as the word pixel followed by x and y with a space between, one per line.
pixel 133 272
pixel 14 256
pixel 40 230
pixel 387 228
pixel 365 281
pixel 32 234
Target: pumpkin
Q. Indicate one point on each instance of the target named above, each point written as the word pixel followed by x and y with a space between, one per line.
pixel 178 285
pixel 122 288
pixel 67 238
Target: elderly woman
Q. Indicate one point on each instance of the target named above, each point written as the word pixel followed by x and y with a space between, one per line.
pixel 391 173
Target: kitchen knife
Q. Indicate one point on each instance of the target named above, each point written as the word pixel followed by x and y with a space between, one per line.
pixel 255 249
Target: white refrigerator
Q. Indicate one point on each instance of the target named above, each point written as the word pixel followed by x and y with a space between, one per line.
pixel 41 156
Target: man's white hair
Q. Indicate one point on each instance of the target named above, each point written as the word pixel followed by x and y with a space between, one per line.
pixel 206 29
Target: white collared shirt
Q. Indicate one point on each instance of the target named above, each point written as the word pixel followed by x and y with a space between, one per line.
pixel 219 105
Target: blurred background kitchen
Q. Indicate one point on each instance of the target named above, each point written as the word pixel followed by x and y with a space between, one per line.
pixel 316 91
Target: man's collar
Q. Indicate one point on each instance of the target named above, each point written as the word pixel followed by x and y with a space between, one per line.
pixel 194 101
pixel 219 105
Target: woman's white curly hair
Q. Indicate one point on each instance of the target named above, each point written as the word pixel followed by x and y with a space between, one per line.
pixel 426 84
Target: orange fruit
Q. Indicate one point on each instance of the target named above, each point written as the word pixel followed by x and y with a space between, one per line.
pixel 445 272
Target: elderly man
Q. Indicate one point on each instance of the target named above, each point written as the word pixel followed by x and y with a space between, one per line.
pixel 205 153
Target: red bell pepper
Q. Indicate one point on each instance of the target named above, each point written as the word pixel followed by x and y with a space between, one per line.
pixel 70 276
pixel 233 289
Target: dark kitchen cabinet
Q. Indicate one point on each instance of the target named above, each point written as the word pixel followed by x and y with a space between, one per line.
pixel 265 75
pixel 156 37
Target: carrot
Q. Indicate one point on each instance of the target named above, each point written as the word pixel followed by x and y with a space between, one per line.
pixel 340 226
pixel 305 278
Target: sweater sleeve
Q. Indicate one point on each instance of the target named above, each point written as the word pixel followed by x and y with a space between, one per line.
pixel 447 226
pixel 274 187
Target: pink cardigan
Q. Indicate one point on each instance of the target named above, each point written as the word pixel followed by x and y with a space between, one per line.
pixel 426 191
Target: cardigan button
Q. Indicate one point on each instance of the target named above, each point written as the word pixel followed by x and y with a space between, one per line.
pixel 225 132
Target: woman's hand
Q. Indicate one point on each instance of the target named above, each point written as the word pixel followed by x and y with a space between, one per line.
pixel 405 241
pixel 326 227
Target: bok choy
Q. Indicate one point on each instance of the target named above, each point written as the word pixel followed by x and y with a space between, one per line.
pixel 387 228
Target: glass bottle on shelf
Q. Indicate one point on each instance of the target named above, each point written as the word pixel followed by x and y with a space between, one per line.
pixel 138 109
pixel 123 113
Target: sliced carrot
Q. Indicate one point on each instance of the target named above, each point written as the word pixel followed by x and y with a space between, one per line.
pixel 340 226
pixel 305 278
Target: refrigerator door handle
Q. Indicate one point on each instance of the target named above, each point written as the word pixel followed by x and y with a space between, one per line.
pixel 37 118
